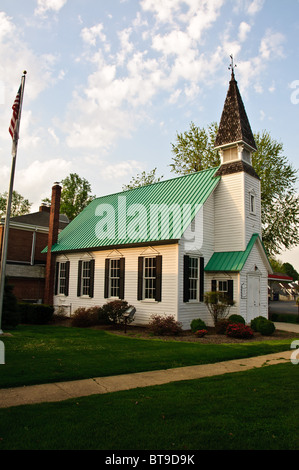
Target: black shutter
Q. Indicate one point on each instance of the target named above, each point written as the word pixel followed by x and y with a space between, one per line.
pixel 56 277
pixel 140 278
pixel 106 286
pixel 214 285
pixel 186 279
pixel 201 280
pixel 158 296
pixel 79 278
pixel 67 277
pixel 230 291
pixel 91 277
pixel 122 278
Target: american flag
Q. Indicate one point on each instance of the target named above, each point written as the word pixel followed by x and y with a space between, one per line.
pixel 15 113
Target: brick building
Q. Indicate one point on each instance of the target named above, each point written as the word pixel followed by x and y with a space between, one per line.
pixel 26 264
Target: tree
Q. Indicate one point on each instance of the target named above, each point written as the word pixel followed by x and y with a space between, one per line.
pixel 75 195
pixel 289 270
pixel 194 151
pixel 19 205
pixel 143 179
pixel 218 305
pixel 280 203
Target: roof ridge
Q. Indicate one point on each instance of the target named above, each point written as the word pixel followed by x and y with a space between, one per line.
pixel 159 182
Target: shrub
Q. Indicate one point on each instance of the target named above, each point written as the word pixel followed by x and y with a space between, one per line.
pixel 266 328
pixel 201 333
pixel 197 324
pixel 164 326
pixel 256 321
pixel 238 330
pixel 11 313
pixel 85 317
pixel 218 305
pixel 36 314
pixel 236 319
pixel 284 317
pixel 221 326
pixel 114 311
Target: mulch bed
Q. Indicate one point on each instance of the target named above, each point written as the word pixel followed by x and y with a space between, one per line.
pixel 139 332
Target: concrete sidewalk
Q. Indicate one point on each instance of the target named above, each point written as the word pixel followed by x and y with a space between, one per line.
pixel 56 392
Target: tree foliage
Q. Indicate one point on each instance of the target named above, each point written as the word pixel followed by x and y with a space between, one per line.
pixel 143 179
pixel 280 203
pixel 19 205
pixel 75 195
pixel 194 151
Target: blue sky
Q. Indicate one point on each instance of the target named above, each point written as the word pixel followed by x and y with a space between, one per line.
pixel 111 82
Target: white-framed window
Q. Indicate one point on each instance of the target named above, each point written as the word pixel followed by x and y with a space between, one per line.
pixel 222 286
pixel 62 278
pixel 85 280
pixel 193 278
pixel 149 278
pixel 252 203
pixel 114 277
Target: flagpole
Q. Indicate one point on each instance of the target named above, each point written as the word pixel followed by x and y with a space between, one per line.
pixel 9 200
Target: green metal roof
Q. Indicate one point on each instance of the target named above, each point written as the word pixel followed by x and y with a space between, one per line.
pixel 116 214
pixel 231 261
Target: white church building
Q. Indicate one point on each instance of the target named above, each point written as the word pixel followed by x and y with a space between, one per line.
pixel 161 247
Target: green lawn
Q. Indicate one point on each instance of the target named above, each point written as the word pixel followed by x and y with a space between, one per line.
pixel 41 354
pixel 257 409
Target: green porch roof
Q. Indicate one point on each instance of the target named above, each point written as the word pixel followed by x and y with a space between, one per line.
pixel 85 232
pixel 232 261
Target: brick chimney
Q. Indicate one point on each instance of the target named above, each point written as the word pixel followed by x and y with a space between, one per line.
pixel 52 239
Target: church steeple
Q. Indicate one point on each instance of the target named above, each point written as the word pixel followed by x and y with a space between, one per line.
pixel 235 139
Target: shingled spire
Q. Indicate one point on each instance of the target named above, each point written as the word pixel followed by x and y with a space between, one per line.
pixel 234 125
pixel 235 139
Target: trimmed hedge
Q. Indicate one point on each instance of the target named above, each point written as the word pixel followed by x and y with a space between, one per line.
pixel 236 319
pixel 36 314
pixel 284 317
pixel 11 313
pixel 263 325
pixel 197 324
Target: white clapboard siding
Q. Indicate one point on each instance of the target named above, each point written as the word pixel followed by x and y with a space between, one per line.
pixel 203 246
pixel 145 308
pixel 252 221
pixel 229 213
pixel 255 265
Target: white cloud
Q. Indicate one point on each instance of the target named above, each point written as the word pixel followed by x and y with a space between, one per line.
pixel 43 6
pixel 90 35
pixel 244 30
pixel 163 10
pixel 122 170
pixel 272 45
pixel 35 181
pixel 255 6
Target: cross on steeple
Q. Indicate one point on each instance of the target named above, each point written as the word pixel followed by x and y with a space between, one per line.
pixel 232 66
